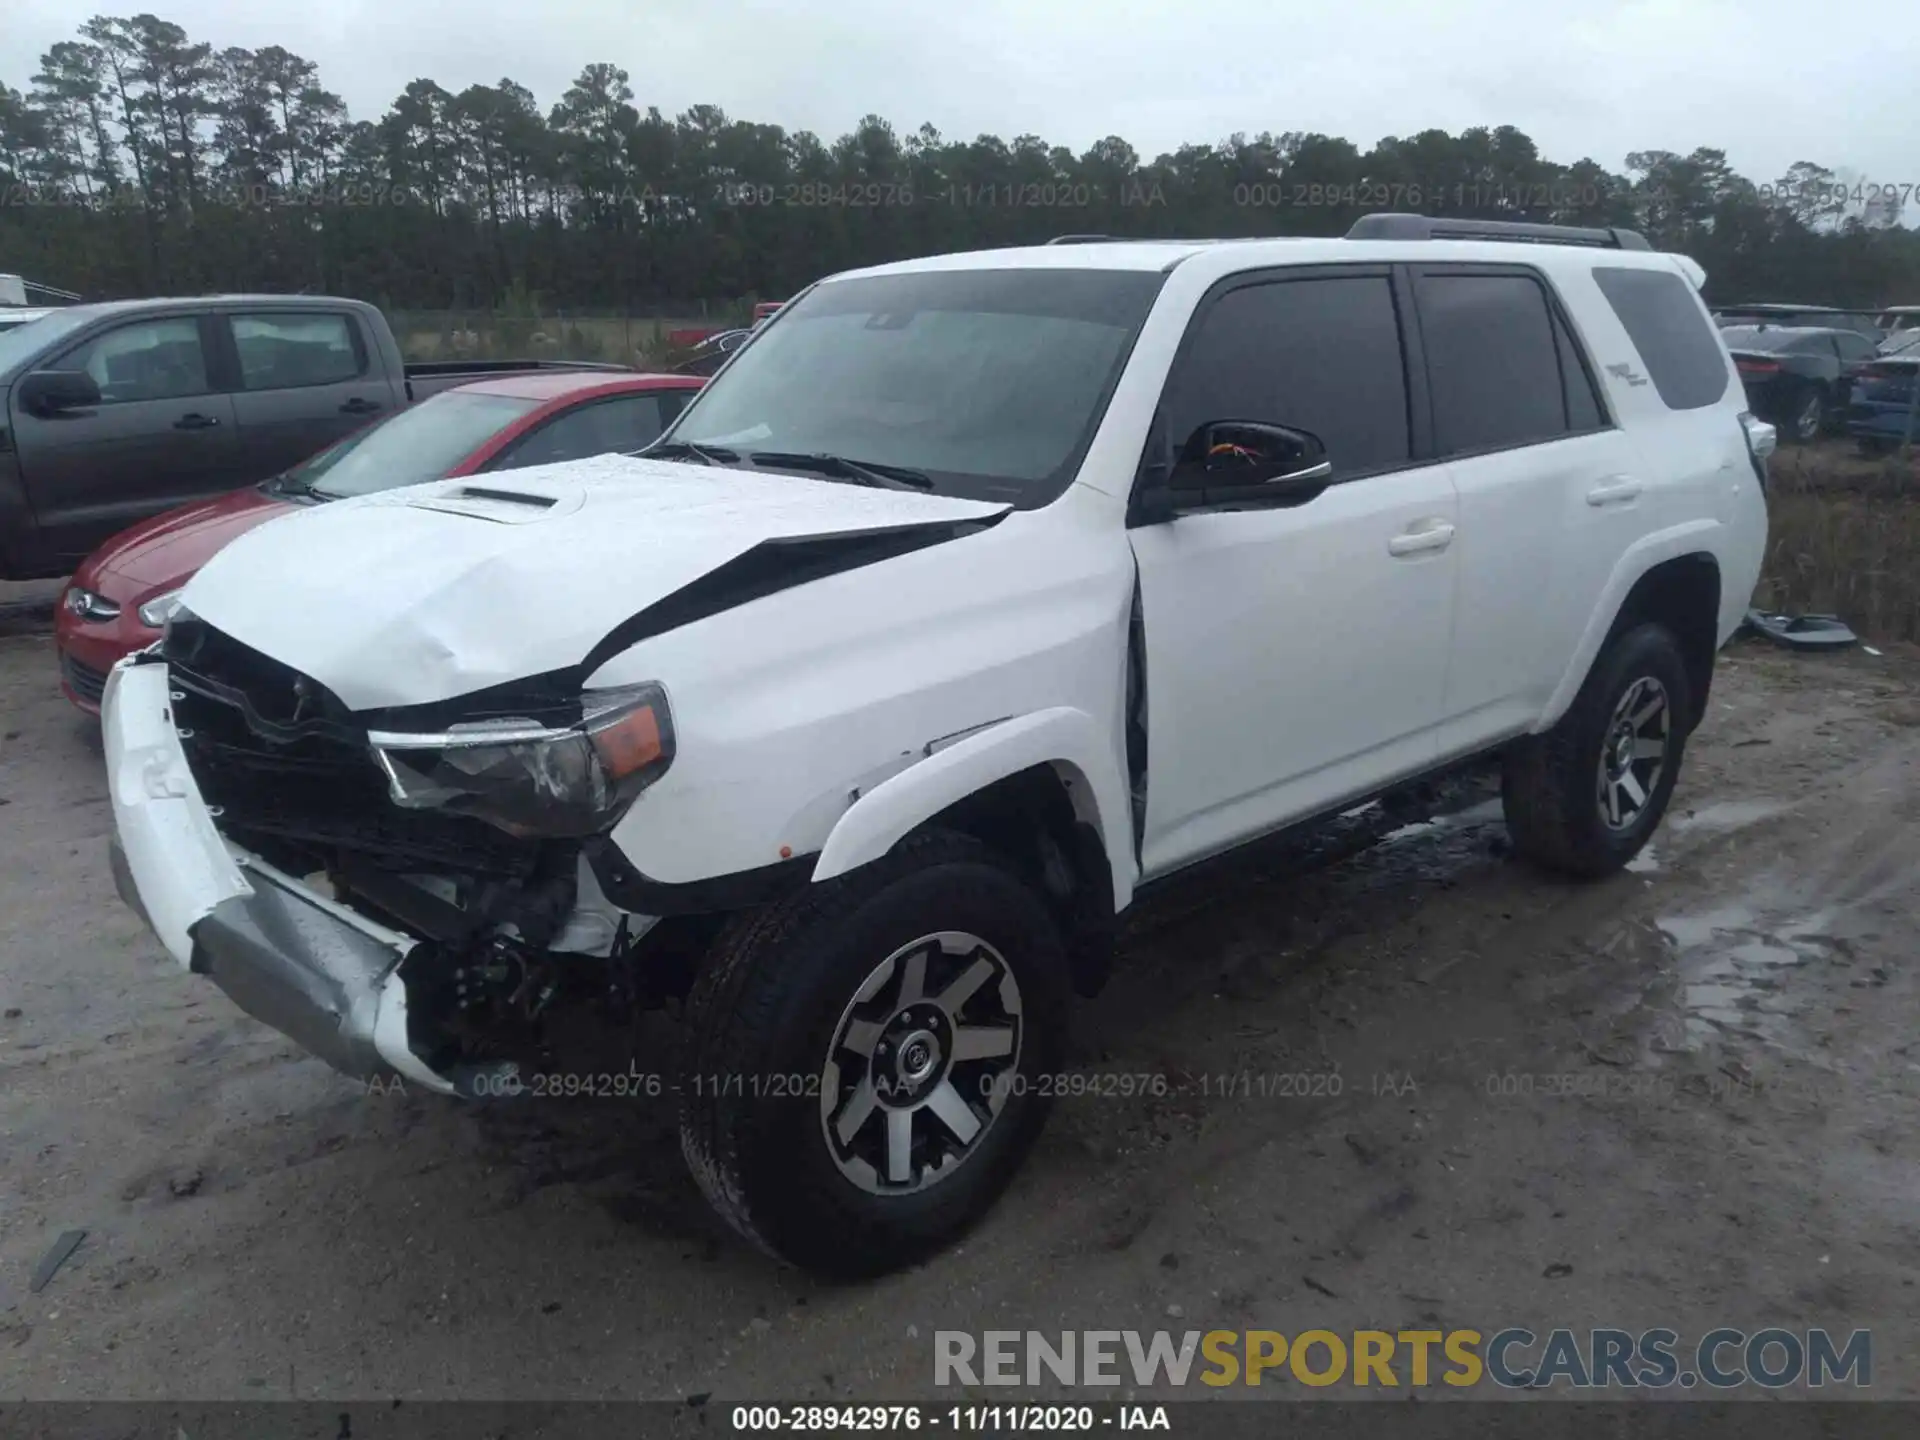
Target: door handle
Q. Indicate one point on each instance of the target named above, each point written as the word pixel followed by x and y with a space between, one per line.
pixel 360 406
pixel 196 421
pixel 1419 538
pixel 1614 492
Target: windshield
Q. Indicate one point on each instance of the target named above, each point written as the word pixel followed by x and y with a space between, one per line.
pixel 23 342
pixel 422 442
pixel 989 382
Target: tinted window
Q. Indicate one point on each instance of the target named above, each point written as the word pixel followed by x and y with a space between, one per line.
pixel 422 442
pixel 1854 346
pixel 991 382
pixel 1662 317
pixel 593 429
pixel 283 352
pixel 1584 411
pixel 1492 365
pixel 146 360
pixel 1320 355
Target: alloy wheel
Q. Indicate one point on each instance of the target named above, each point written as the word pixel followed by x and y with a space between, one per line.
pixel 1633 752
pixel 921 1063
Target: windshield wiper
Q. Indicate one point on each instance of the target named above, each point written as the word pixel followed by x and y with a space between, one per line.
pixel 861 472
pixel 291 486
pixel 687 450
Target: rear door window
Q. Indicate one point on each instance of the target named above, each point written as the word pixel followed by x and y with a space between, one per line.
pixel 1493 362
pixel 1681 352
pixel 290 350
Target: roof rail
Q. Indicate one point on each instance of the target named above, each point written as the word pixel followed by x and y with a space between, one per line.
pixel 1081 239
pixel 1437 227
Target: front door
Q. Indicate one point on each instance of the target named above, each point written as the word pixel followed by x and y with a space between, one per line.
pixel 1295 655
pixel 160 435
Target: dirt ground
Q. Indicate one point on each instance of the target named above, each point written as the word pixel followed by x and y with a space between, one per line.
pixel 1733 1143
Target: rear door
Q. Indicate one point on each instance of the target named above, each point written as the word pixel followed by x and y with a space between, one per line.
pixel 302 378
pixel 161 435
pixel 1544 481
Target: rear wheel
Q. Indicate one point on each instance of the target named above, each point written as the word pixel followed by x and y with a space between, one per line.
pixel 863 1066
pixel 1584 797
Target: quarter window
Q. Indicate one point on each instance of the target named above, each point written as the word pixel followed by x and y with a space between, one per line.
pixel 1682 353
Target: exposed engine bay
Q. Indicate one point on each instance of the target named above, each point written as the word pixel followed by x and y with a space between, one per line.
pixel 365 811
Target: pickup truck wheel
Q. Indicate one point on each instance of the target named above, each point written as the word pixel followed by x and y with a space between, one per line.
pixel 1583 797
pixel 864 1058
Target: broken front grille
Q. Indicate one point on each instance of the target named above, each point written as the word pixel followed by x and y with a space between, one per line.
pixel 283 763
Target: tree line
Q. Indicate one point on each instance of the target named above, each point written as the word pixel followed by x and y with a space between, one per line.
pixel 140 161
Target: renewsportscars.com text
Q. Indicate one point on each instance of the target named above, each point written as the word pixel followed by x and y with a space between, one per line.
pixel 1513 1358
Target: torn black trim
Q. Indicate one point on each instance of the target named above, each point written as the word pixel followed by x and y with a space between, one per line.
pixel 742 889
pixel 767 569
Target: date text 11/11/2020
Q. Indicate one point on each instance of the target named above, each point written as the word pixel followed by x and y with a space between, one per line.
pixel 992 1419
pixel 1092 1084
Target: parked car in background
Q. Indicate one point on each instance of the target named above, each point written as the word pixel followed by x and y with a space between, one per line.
pixel 119 411
pixel 121 595
pixel 1882 399
pixel 12 317
pixel 766 310
pixel 1826 316
pixel 1896 318
pixel 1797 377
pixel 713 352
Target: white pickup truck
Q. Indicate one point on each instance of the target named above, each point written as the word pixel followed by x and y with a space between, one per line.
pixel 973 595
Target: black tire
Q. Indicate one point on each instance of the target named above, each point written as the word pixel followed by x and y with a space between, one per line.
pixel 768 1003
pixel 1551 786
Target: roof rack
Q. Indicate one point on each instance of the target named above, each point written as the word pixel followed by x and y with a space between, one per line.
pixel 1436 227
pixel 1081 239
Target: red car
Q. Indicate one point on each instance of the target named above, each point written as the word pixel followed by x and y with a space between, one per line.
pixel 121 595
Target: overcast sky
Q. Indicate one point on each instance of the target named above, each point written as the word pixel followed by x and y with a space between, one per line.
pixel 1768 81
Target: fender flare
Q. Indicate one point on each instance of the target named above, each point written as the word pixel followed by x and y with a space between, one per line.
pixel 1066 738
pixel 1693 538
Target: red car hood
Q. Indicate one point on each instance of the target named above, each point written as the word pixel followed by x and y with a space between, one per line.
pixel 162 553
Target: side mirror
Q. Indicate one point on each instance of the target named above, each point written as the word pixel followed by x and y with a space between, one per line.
pixel 48 393
pixel 1229 461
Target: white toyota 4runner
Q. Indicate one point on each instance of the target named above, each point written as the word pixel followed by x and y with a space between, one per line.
pixel 974 594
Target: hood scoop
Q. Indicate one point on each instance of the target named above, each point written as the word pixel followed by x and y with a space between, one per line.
pixel 495 503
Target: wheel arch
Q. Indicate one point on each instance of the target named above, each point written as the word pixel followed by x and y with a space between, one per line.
pixel 1672 582
pixel 1051 765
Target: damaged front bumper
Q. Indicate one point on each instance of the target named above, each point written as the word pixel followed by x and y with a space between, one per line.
pixel 282 951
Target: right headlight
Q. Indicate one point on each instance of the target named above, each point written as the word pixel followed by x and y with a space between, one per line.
pixel 532 779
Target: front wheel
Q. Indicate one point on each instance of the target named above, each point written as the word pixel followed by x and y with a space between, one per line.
pixel 866 1058
pixel 1585 796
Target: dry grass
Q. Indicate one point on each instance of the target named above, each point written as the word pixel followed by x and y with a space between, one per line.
pixel 1844 539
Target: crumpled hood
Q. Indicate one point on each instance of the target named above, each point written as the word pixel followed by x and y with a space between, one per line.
pixel 416 595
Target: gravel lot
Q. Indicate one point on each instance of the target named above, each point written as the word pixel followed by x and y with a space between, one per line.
pixel 1735 1144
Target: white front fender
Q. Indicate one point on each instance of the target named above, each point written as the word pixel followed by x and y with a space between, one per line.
pixel 1067 739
